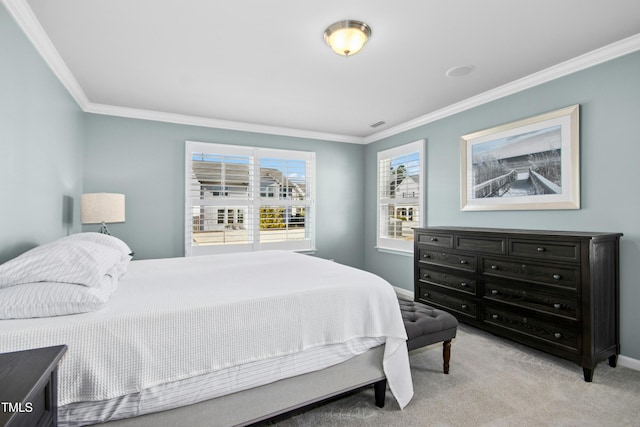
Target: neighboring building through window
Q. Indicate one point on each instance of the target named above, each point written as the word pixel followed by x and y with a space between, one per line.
pixel 247 198
pixel 400 195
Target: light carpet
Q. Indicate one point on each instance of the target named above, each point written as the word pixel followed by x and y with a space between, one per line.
pixel 492 382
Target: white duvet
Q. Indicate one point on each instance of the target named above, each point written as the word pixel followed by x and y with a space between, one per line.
pixel 176 318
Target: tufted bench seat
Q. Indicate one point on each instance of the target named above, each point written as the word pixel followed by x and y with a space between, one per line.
pixel 426 325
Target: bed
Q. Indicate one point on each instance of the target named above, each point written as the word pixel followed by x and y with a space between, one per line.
pixel 193 340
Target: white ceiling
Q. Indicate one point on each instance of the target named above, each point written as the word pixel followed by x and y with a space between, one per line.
pixel 263 65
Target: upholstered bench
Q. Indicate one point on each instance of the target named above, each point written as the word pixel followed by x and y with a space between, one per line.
pixel 426 325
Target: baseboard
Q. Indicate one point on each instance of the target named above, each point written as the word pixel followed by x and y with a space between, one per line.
pixel 404 292
pixel 629 362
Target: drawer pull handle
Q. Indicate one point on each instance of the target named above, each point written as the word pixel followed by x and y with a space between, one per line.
pixel 557 335
pixel 494 292
pixel 541 249
pixel 556 276
pixel 464 306
pixel 425 256
pixel 464 284
pixel 462 261
pixel 434 239
pixel 426 275
pixel 494 316
pixel 556 305
pixel 494 267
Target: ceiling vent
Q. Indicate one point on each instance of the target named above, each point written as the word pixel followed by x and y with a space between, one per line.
pixel 376 124
pixel 460 71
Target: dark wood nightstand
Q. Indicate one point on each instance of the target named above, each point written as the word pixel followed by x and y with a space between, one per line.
pixel 29 387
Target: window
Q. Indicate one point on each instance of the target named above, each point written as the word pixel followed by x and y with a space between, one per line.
pixel 400 195
pixel 246 198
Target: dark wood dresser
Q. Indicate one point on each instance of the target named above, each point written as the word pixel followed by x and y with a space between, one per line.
pixel 555 291
pixel 29 387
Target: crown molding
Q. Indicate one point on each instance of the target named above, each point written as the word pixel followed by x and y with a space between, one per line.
pixel 181 119
pixel 24 17
pixel 27 21
pixel 598 56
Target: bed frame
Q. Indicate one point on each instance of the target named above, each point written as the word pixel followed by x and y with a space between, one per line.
pixel 270 400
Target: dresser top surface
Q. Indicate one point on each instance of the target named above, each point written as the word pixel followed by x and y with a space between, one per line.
pixel 505 231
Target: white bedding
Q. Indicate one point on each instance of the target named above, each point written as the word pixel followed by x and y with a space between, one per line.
pixel 215 384
pixel 177 318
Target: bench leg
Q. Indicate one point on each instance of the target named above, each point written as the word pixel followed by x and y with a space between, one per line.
pixel 446 355
pixel 380 388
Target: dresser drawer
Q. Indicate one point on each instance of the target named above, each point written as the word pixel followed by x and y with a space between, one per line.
pixel 459 304
pixel 491 245
pixel 438 240
pixel 553 333
pixel 448 280
pixel 564 277
pixel 535 300
pixel 569 251
pixel 448 259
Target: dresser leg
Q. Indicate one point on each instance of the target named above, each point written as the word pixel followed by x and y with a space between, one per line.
pixel 588 374
pixel 613 360
pixel 380 389
pixel 446 355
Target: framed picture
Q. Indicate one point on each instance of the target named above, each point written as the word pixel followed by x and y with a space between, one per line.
pixel 530 164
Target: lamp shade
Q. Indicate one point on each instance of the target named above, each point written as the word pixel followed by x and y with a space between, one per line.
pixel 96 208
pixel 347 38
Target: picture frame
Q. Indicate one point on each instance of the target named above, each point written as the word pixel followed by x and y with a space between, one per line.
pixel 529 164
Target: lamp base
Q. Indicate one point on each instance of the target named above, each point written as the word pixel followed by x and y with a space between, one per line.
pixel 104 230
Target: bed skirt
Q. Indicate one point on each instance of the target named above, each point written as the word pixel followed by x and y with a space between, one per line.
pixel 204 387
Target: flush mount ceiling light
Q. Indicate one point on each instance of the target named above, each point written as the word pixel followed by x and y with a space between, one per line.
pixel 347 37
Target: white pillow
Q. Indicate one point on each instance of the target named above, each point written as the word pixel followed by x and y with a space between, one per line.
pixel 103 239
pixel 45 299
pixel 79 262
pixel 109 241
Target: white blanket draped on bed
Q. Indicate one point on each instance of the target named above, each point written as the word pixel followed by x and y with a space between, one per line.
pixel 176 318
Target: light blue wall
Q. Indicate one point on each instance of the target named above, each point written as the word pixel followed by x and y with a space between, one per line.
pixel 609 98
pixel 41 137
pixel 145 161
pixel 46 142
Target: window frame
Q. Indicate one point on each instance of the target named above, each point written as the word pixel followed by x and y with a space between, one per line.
pixel 253 202
pixel 394 245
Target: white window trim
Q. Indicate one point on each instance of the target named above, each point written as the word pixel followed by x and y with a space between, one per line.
pixel 307 245
pixel 396 246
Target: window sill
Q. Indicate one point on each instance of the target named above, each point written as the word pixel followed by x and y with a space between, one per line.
pixel 394 251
